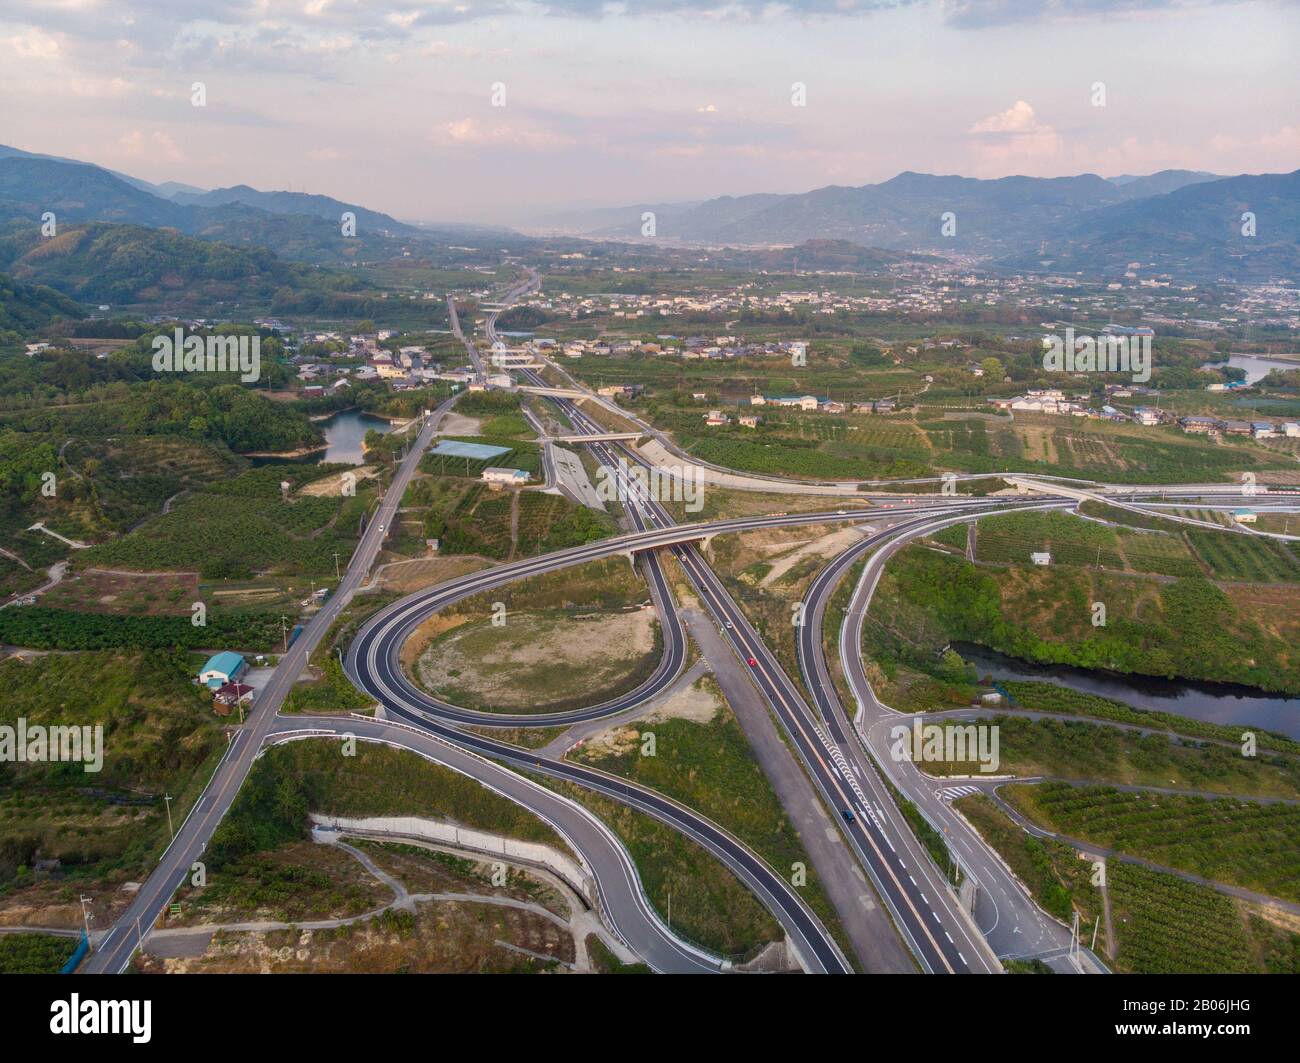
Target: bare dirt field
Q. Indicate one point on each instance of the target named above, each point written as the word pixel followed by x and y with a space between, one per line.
pixel 101 591
pixel 537 660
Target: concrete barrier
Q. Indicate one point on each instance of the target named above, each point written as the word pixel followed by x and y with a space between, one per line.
pixel 473 840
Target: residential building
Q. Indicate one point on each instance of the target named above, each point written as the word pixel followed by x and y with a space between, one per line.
pixel 505 477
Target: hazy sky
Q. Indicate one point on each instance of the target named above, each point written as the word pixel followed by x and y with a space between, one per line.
pixel 390 104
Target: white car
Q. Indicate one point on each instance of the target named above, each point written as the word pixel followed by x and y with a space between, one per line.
pixel 381 527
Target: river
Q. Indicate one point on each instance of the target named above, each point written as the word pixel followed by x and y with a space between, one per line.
pixel 1210 702
pixel 1257 366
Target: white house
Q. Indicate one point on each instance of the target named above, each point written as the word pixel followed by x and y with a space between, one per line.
pixel 505 477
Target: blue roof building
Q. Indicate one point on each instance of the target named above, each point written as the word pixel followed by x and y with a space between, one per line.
pixel 222 668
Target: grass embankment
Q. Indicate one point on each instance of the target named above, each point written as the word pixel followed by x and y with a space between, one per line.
pixel 468 517
pixel 710 906
pixel 1188 628
pixel 605 962
pixel 1048 697
pixel 710 767
pixel 290 780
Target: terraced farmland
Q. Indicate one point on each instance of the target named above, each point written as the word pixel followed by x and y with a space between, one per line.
pixel 1242 843
pixel 1168 926
pixel 1247 558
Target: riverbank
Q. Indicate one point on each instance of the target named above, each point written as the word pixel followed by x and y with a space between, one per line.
pixel 1217 703
pixel 286 455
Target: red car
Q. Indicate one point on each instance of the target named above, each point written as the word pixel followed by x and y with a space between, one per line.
pixel 753 663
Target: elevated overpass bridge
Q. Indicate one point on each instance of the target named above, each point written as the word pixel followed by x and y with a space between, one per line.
pixel 1029 484
pixel 599 437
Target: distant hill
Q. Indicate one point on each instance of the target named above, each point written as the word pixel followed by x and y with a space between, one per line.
pixel 903 213
pixel 30 186
pixel 1179 218
pixel 297 226
pixel 314 206
pixel 831 255
pixel 1195 230
pixel 1159 184
pixel 136 265
pixel 25 308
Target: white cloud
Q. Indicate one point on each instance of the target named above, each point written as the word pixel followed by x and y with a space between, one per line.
pixel 34 44
pixel 1013 141
pixel 469 132
pixel 157 146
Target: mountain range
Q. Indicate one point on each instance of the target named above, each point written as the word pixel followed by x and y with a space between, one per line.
pixel 298 226
pixel 1176 221
pixel 1184 223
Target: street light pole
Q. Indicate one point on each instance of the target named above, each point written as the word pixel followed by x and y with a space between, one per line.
pixel 168 799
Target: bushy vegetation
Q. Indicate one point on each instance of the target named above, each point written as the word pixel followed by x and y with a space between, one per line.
pixel 1115 454
pixel 1073 541
pixel 471 518
pixel 1168 926
pixel 1071 749
pixel 34 953
pixel 40 627
pixel 1051 697
pixel 290 780
pixel 1238 842
pixel 233 528
pixel 159 735
pixel 710 906
pixel 332 692
pixel 1052 872
pixel 1248 558
pixel 1186 628
pixel 231 413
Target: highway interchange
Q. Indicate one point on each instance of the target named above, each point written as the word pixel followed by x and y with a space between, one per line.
pixel 842 752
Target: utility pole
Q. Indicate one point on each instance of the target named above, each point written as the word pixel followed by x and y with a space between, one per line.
pixel 284 633
pixel 85 917
pixel 336 566
pixel 168 799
